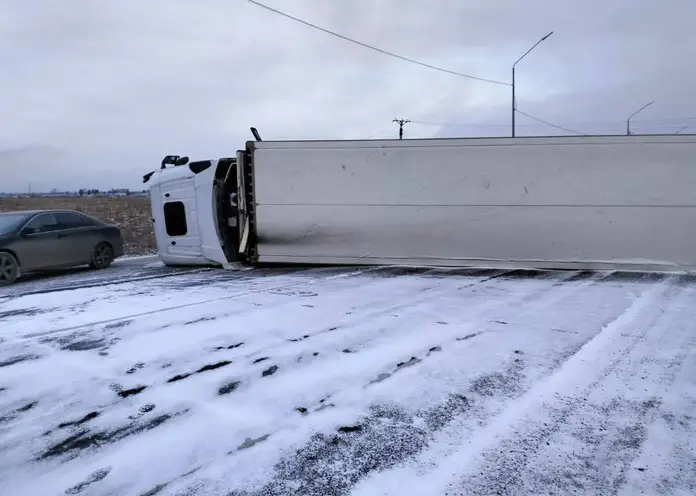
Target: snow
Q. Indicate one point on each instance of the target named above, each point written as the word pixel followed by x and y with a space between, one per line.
pixel 325 381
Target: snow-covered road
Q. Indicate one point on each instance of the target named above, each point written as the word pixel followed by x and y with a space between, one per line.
pixel 370 381
pixel 123 270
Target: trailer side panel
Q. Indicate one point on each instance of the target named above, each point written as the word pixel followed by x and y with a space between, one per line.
pixel 542 202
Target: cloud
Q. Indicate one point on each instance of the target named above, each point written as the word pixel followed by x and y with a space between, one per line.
pixel 116 85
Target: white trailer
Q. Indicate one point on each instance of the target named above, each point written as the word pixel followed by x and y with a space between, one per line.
pixel 600 202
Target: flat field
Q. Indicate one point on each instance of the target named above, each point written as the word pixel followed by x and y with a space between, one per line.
pixel 131 213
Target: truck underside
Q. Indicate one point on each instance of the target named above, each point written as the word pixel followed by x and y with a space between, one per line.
pixel 225 204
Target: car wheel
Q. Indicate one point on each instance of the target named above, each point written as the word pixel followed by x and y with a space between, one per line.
pixel 9 269
pixel 102 256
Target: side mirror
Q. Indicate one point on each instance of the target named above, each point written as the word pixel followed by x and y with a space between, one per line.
pixel 147 176
pixel 27 231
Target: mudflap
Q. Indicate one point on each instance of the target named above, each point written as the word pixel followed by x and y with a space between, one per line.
pixel 238 266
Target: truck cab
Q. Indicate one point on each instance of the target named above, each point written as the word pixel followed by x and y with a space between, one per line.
pixel 181 192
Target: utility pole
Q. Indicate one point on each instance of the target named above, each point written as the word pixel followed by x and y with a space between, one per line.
pixel 514 102
pixel 401 123
pixel 628 121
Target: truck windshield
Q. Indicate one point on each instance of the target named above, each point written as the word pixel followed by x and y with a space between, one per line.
pixel 9 222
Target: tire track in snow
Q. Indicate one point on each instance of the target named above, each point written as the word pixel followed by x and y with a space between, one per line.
pixel 474 439
pixel 594 446
pixel 437 292
pixel 251 374
pixel 383 306
pixel 306 461
pixel 410 302
pixel 104 331
pixel 498 457
pixel 506 384
pixel 564 285
pixel 96 336
pixel 666 373
pixel 189 305
pixel 100 282
pixel 73 339
pixel 551 279
pixel 612 443
pixel 326 459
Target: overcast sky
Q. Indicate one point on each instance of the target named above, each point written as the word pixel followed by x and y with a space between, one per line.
pixel 94 92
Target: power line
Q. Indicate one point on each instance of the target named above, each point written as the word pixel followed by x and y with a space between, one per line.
pixel 666 119
pixel 384 52
pixel 475 125
pixel 461 124
pixel 453 124
pixel 377 133
pixel 669 121
pixel 498 126
pixel 550 123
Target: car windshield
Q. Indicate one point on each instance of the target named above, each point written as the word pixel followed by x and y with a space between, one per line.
pixel 9 222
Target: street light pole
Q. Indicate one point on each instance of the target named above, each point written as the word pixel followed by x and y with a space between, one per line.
pixel 628 121
pixel 514 103
pixel 514 106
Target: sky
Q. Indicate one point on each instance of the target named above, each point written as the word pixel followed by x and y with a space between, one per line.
pixel 94 92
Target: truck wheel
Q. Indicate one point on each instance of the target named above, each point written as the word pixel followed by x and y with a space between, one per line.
pixel 9 269
pixel 102 256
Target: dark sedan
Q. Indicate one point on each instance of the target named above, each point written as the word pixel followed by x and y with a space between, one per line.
pixel 52 239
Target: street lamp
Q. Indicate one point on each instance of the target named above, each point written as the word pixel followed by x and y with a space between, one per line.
pixel 628 121
pixel 514 105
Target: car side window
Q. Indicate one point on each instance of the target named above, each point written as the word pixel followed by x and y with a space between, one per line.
pixel 73 221
pixel 43 223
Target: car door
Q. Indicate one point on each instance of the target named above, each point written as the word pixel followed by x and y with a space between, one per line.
pixel 80 236
pixel 42 245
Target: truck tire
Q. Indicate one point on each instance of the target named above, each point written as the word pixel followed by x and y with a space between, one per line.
pixel 9 268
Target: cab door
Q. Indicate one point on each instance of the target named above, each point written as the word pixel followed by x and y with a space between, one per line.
pixel 180 228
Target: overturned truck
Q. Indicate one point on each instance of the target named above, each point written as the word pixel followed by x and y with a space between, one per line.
pixel 587 202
